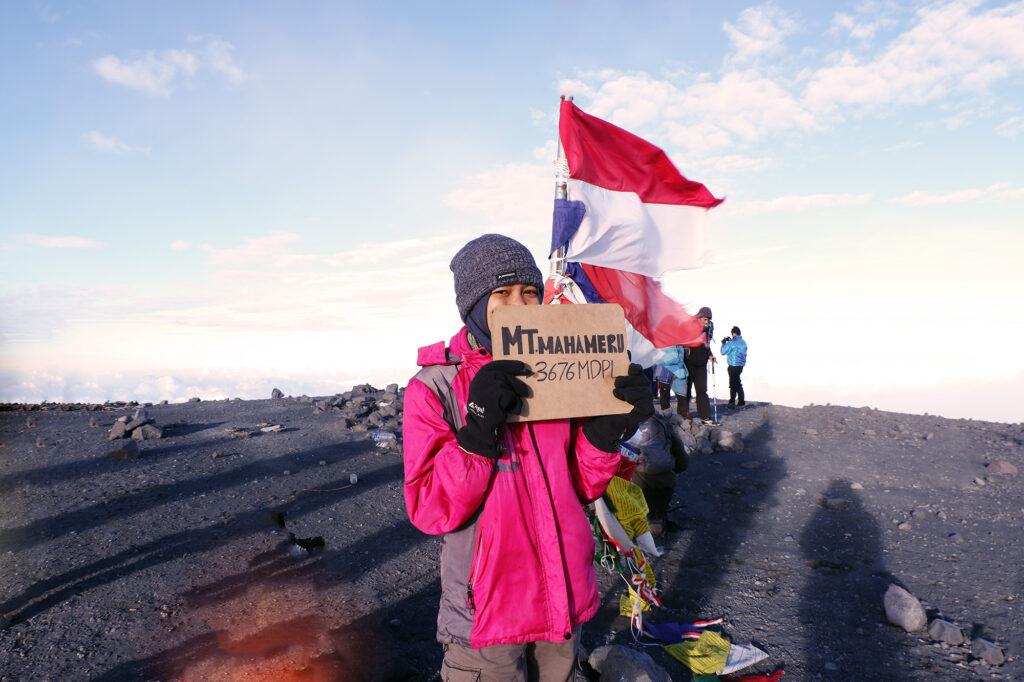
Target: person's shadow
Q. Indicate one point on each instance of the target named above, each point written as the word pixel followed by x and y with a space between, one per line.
pixel 842 601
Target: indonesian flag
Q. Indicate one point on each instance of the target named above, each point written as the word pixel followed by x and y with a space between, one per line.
pixel 641 214
pixel 630 216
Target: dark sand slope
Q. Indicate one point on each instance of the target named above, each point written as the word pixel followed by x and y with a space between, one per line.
pixel 172 563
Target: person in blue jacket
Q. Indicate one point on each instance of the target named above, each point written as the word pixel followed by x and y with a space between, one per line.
pixel 670 373
pixel 735 349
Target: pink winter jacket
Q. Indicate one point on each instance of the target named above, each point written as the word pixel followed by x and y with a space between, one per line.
pixel 517 553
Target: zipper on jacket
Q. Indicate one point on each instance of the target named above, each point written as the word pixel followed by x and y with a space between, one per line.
pixel 554 511
pixel 474 567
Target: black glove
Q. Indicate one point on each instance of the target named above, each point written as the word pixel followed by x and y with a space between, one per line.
pixel 494 393
pixel 606 431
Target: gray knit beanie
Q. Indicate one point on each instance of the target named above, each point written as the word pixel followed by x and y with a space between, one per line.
pixel 488 262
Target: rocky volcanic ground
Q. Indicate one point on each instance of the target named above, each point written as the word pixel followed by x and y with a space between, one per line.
pixel 237 547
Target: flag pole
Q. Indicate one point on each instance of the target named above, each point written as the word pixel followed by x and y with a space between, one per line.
pixel 561 192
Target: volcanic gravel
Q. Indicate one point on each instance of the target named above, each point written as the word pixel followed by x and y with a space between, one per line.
pixel 197 558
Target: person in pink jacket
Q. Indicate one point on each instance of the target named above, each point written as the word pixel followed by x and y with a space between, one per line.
pixel 517 571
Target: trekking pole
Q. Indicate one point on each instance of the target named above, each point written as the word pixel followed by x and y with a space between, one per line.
pixel 714 391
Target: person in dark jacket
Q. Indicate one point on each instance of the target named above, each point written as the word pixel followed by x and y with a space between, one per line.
pixel 697 358
pixel 661 455
pixel 735 349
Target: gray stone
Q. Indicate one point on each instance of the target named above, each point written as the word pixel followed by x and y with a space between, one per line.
pixel 130 450
pixel 1001 466
pixel 276 393
pixel 118 430
pixel 987 651
pixel 616 662
pixel 730 442
pixel 904 609
pixel 137 422
pixel 147 432
pixel 688 440
pixel 944 631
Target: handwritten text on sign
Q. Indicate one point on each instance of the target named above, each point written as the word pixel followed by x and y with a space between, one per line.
pixel 575 352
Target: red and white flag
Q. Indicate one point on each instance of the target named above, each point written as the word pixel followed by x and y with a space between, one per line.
pixel 630 216
pixel 642 215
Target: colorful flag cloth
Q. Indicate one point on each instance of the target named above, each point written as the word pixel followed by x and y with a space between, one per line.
pixel 671 633
pixel 706 655
pixel 770 677
pixel 640 214
pixel 742 656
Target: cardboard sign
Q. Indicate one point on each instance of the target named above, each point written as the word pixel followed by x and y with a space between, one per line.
pixel 575 352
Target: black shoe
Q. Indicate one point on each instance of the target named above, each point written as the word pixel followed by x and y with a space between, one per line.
pixel 731 406
pixel 741 406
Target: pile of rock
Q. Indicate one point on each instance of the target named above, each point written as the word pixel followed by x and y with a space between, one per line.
pixel 67 407
pixel 370 410
pixel 698 437
pixel 139 427
pixel 905 610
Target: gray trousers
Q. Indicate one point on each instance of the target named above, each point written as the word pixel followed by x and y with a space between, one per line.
pixel 530 662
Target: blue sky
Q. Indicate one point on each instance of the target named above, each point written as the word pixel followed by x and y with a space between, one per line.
pixel 214 199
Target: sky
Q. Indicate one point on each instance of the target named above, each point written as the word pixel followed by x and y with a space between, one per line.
pixel 216 199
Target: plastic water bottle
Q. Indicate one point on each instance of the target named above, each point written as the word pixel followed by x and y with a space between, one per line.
pixel 383 439
pixel 353 479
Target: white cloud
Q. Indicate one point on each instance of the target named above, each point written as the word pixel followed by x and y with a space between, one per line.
pixel 59 242
pixel 150 73
pixel 180 244
pixel 999 191
pixel 110 144
pixel 513 199
pixel 950 50
pixel 48 14
pixel 701 118
pixel 758 31
pixel 267 251
pixel 218 58
pixel 867 19
pixel 1011 127
pixel 156 73
pixel 738 163
pixel 797 202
